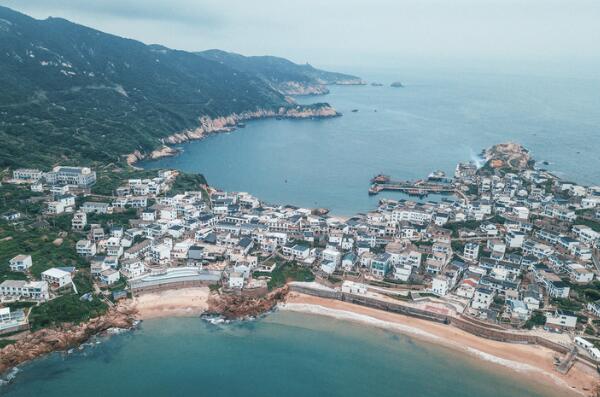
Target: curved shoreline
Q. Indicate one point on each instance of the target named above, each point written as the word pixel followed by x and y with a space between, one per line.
pixel 524 360
pixel 229 123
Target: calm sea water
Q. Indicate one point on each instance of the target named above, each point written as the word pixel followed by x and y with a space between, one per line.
pixel 437 120
pixel 285 354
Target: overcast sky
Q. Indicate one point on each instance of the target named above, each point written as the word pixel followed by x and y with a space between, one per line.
pixel 350 32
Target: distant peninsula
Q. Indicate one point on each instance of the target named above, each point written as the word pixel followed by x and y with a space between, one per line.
pixel 75 95
pixel 284 75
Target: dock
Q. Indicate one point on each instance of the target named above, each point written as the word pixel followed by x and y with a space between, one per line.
pixel 419 188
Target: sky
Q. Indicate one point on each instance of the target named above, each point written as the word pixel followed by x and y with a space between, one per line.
pixel 550 33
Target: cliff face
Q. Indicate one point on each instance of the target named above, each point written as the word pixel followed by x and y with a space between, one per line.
pixel 210 125
pixel 49 340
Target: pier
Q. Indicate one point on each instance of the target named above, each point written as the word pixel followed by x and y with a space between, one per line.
pixel 420 188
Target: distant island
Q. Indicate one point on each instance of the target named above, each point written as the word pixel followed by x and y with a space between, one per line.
pixel 397 84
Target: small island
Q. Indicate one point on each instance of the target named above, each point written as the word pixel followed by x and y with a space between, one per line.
pixel 397 84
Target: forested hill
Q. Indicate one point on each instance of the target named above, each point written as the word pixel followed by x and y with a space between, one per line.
pixel 70 93
pixel 284 75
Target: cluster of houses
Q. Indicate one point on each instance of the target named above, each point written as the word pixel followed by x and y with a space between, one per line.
pixel 511 245
pixel 52 282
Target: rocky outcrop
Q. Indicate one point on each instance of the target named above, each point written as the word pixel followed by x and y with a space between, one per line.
pixel 48 340
pixel 299 88
pixel 233 306
pixel 508 155
pixel 210 125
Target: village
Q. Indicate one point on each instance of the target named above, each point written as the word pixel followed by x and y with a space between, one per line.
pixel 514 250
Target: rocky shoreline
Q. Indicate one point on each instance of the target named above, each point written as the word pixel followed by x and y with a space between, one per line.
pixel 210 125
pixel 125 316
pixel 62 338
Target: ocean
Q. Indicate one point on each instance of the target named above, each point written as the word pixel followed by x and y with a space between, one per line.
pixel 284 354
pixel 435 121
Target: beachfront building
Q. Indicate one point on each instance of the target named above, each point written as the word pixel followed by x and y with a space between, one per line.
pixel 440 285
pixel 482 299
pixel 561 320
pixel 24 290
pixel 12 320
pixel 236 280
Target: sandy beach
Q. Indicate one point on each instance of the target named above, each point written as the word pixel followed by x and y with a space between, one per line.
pixel 534 362
pixel 185 302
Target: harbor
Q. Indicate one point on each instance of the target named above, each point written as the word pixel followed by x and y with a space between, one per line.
pixel 436 183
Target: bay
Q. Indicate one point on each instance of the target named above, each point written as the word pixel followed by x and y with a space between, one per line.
pixel 285 353
pixel 435 121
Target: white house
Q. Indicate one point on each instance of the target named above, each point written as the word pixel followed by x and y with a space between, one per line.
pixel 515 239
pixel 482 299
pixel 28 290
pixel 328 266
pixel 351 287
pixel 79 220
pixel 579 273
pixel 440 285
pixel 560 320
pixel 333 255
pixel 236 280
pixel 109 276
pixel 57 278
pixel 85 248
pixel 471 252
pixel 20 263
pixel 589 347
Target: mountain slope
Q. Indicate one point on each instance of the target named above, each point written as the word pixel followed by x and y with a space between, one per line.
pixel 71 93
pixel 282 74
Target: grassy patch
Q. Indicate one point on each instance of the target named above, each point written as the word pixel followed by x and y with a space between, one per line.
pixel 288 271
pixel 65 309
pixel 40 244
pixel 595 226
pixel 6 342
pixel 187 182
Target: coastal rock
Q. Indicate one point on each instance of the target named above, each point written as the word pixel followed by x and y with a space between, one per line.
pixel 64 337
pixel 233 306
pixel 210 125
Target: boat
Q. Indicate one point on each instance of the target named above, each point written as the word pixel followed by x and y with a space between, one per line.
pixel 354 110
pixel 241 125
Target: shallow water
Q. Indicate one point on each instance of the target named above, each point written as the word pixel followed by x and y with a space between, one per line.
pixel 434 122
pixel 286 353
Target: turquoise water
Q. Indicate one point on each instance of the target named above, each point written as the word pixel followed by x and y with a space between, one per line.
pixel 434 122
pixel 285 354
